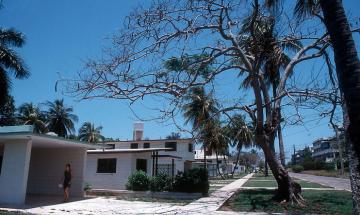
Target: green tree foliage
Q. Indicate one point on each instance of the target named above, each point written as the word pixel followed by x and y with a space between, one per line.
pixel 174 136
pixel 60 118
pixel 7 112
pixel 10 61
pixel 201 111
pixel 29 114
pixel 89 133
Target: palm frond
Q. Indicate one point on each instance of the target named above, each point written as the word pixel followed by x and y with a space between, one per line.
pixel 4 86
pixel 306 8
pixel 12 61
pixel 11 37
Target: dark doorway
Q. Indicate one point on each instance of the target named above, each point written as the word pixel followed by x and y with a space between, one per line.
pixel 141 164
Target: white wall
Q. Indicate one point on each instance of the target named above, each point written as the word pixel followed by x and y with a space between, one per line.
pixel 14 173
pixel 47 167
pixel 125 165
pixel 181 151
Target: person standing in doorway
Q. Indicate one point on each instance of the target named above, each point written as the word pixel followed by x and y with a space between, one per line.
pixel 67 182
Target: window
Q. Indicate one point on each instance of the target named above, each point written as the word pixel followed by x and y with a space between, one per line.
pixel 107 165
pixel 146 145
pixel 171 145
pixel 190 147
pixel 134 146
pixel 141 164
pixel 165 169
pixel 111 146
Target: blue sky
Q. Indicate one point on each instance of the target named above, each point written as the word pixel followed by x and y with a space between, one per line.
pixel 61 35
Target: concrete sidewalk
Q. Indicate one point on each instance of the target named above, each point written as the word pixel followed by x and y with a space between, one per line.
pixel 337 183
pixel 103 205
pixel 216 199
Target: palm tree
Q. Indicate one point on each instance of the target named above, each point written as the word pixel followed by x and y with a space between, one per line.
pixel 60 118
pixel 10 61
pixel 7 112
pixel 216 141
pixel 89 133
pixel 239 135
pixel 29 114
pixel 348 71
pixel 271 50
pixel 199 111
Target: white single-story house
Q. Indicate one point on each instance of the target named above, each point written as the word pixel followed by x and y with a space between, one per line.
pixel 110 168
pixel 33 164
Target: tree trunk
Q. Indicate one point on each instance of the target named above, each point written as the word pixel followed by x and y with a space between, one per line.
pixel 279 131
pixel 348 71
pixel 281 144
pixel 205 164
pixel 288 189
pixel 266 169
pixel 353 162
pixel 237 159
pixel 340 151
pixel 217 165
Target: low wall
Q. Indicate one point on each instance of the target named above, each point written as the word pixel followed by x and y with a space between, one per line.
pixel 139 194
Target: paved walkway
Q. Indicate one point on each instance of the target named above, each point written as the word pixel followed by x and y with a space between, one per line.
pixel 337 183
pixel 216 199
pixel 102 205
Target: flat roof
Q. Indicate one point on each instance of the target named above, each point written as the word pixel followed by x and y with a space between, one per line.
pixel 42 140
pixel 114 151
pixel 146 141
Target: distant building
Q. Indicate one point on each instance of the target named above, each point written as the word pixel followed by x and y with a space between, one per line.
pixel 299 155
pixel 325 149
pixel 225 164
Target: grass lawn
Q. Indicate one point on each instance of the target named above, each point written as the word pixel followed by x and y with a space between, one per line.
pixel 218 182
pixel 327 173
pixel 261 175
pixel 272 183
pixel 317 202
pixel 149 199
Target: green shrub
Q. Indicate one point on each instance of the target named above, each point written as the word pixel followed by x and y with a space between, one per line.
pixel 297 168
pixel 313 164
pixel 160 182
pixel 192 181
pixel 329 166
pixel 138 181
pixel 87 186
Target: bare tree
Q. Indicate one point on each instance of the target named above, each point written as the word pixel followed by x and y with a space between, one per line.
pixel 212 29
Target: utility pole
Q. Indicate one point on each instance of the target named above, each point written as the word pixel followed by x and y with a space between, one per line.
pixel 294 157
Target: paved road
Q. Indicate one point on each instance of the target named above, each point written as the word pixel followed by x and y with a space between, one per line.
pixel 337 183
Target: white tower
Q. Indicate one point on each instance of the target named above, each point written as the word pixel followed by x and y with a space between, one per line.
pixel 138 131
